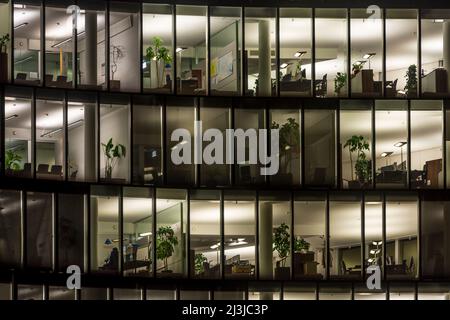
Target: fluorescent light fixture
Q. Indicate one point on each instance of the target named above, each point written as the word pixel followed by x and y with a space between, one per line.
pixel 144 64
pixel 372 251
pixel 23 60
pixel 401 91
pixel 19 6
pixel 11 117
pixel 180 49
pixel 20 25
pixel 239 243
pixel 10 99
pixel 400 144
pixel 298 54
pixel 438 20
pixel 284 65
pixel 386 154
pixel 76 104
pixel 145 234
pixel 360 62
pixel 369 55
pixel 56 45
pixel 215 246
pixel 60 129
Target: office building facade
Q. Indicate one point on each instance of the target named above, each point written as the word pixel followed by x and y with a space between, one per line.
pixel 91 92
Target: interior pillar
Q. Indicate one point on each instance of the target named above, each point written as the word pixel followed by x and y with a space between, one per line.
pixel 89 142
pixel 446 49
pixel 265 245
pixel 264 76
pixel 91 48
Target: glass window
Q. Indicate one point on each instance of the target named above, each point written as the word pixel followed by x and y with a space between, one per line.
pixel 214 118
pixel 30 292
pixel 18 132
pixel 320 150
pixel 264 291
pixel 401 53
pixel 367 53
pixel 345 236
pixel 39 224
pixel 191 47
pixel 82 133
pixel 127 294
pixel 5 291
pixel 91 52
pixel 114 139
pixel 401 291
pixel 435 231
pixel 194 295
pixel 362 293
pixel 295 51
pixel 5 17
pixel 356 144
pixel 124 52
pixel 225 46
pixel 171 229
pixel 104 226
pixel 59 45
pixel 434 291
pixel 260 55
pixel 435 60
pixel 426 144
pixel 157 51
pixel 180 115
pixel 147 140
pixel 373 230
pixel 240 234
pixel 299 291
pixel 138 244
pixel 335 292
pixel 227 293
pixel 248 169
pixel 71 224
pixel 309 236
pixel 161 294
pixel 27 42
pixel 447 146
pixel 401 236
pixel 274 236
pixel 205 235
pixel 50 145
pixel 288 122
pixel 391 150
pixel 60 293
pixel 94 294
pixel 10 228
pixel 331 53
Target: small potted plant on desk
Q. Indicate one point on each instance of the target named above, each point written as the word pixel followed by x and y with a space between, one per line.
pixel 166 240
pixel 281 244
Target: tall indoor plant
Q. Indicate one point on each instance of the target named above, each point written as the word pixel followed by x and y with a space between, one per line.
pixel 112 153
pixel 166 240
pixel 359 145
pixel 12 160
pixel 4 40
pixel 158 54
pixel 281 244
pixel 411 81
pixel 339 82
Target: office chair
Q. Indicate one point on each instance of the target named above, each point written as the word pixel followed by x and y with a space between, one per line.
pixel 56 170
pixel 42 168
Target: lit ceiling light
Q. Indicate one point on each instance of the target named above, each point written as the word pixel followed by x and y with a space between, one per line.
pixel 145 234
pixel 20 6
pixel 215 246
pixel 360 62
pixel 298 54
pixel 438 20
pixel 50 133
pixel 400 144
pixel 284 65
pixel 56 45
pixel 10 99
pixel 20 25
pixel 180 49
pixel 76 104
pixel 386 154
pixel 11 117
pixel 369 55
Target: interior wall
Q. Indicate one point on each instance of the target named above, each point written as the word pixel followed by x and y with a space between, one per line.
pixel 76 150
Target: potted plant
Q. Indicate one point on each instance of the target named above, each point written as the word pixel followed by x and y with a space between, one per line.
pixel 339 82
pixel 4 58
pixel 117 54
pixel 359 145
pixel 165 245
pixel 199 263
pixel 301 245
pixel 112 153
pixel 289 146
pixel 12 160
pixel 356 68
pixel 281 244
pixel 411 81
pixel 156 54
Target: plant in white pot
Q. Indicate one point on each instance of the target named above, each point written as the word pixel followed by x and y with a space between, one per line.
pixel 158 57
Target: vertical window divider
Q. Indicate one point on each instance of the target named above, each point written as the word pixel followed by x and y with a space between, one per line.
pixel 55 219
pixel 337 148
pixel 419 53
pixel 131 140
pixel 107 49
pixel 87 237
pixel 222 235
pixel 13 288
pixel 2 131
pixel 327 234
pixel 154 195
pixel 33 133
pixel 98 146
pixel 208 53
pixel 11 26
pixel 45 291
pixel 197 167
pixel 384 53
pixel 313 54
pixel 277 50
pixel 244 56
pixel 23 235
pixel 374 155
pixel 302 146
pixel 188 235
pixel 383 213
pixel 292 207
pixel 418 274
pixel 121 271
pixel 444 143
pixel 349 55
pixel 240 90
pixel 42 44
pixel 174 54
pixel 66 136
pixel 268 137
pixel 141 46
pixel 75 52
pixel 363 235
pixel 164 141
pixel 408 160
pixel 257 236
pixel 233 165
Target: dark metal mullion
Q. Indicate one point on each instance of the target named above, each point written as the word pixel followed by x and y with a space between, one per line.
pixel 164 142
pixel 302 146
pixel 33 133
pixel 23 234
pixel 383 90
pixel 131 140
pixel 363 235
pixel 107 44
pixel 241 64
pixel 11 64
pixel 244 56
pixel 197 167
pixel 141 45
pixel 188 235
pixel 2 131
pixel 277 51
pixel 233 165
pixel 257 235
pixel 222 235
pixel 408 148
pixel 327 235
pixel 174 54
pixel 121 271
pixel 208 52
pixel 292 233
pixel 97 147
pixel 55 222
pixel 42 43
pixel 337 153
pixel 75 53
pixel 268 138
pixel 349 55
pixel 444 145
pixel 88 234
pixel 419 53
pixel 383 214
pixel 419 240
pixel 313 54
pixel 66 136
pixel 154 264
pixel 374 155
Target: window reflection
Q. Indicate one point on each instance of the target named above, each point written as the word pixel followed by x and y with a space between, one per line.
pixel 10 228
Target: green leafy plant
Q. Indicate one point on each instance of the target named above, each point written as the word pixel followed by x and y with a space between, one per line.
pixel 289 139
pixel 12 160
pixel 411 80
pixel 3 42
pixel 159 53
pixel 199 261
pixel 113 153
pixel 339 82
pixel 165 244
pixel 281 242
pixel 359 145
pixel 356 68
pixel 301 245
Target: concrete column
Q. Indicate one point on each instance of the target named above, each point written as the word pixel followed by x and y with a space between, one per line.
pixel 264 77
pixel 89 142
pixel 91 48
pixel 265 245
pixel 398 252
